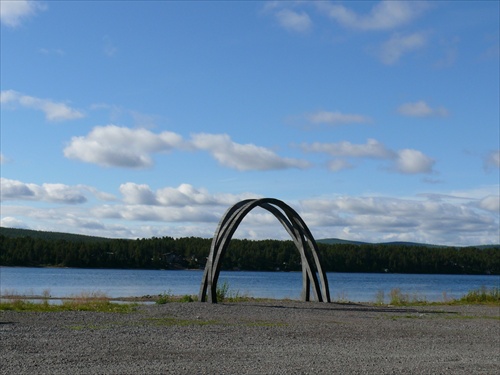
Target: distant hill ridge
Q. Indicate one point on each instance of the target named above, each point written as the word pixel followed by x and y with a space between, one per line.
pixel 15 232
pixel 398 243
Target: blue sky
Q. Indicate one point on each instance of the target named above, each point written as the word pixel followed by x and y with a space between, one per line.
pixel 376 121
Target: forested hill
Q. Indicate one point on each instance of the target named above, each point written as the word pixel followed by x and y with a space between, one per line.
pixel 32 248
pixel 15 232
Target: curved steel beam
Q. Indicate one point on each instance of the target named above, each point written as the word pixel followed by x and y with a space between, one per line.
pixel 296 228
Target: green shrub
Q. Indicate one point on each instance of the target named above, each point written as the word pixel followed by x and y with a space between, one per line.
pixel 222 291
pixel 226 295
pixel 164 298
pixel 398 298
pixel 187 298
pixel 482 295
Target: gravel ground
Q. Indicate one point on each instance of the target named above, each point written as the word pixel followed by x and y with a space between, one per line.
pixel 277 337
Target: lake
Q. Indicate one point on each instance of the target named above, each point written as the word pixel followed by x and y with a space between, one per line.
pixel 354 287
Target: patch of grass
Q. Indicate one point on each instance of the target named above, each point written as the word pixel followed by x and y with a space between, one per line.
pixel 482 296
pixel 397 298
pixel 224 294
pixel 187 298
pixel 95 301
pixel 168 297
pixel 164 298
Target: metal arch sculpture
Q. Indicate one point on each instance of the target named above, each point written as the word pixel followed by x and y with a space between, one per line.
pixel 294 225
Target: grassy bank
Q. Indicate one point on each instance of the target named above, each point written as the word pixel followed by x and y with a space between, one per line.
pixel 100 302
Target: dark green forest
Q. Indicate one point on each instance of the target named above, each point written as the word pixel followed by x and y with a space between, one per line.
pixel 42 249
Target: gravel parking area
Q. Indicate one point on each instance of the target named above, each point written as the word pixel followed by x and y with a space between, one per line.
pixel 278 337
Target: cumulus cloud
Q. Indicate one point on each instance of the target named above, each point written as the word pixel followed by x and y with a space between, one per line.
pixel 54 111
pixel 17 190
pixel 56 193
pixel 421 109
pixel 288 17
pixel 393 49
pixel 385 15
pixel 294 21
pixel 372 149
pixel 149 213
pixel 399 219
pixel 181 196
pixel 114 146
pixel 492 159
pixel 410 161
pixel 243 157
pixel 12 13
pixel 469 218
pixel 336 118
pixel 12 222
pixel 338 165
pixel 137 194
pixel 406 161
pixel 490 203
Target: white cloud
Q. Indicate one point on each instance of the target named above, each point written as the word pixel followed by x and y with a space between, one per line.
pixel 243 157
pixel 137 194
pixel 12 222
pixel 3 159
pixel 287 17
pixel 54 111
pixel 338 165
pixel 17 190
pixel 181 196
pixel 113 146
pixel 336 118
pixel 372 149
pixel 13 12
pixel 11 190
pixel 492 159
pixel 392 50
pixel 413 162
pixel 490 203
pixel 399 219
pixel 406 161
pixel 294 21
pixel 471 218
pixel 385 15
pixel 421 109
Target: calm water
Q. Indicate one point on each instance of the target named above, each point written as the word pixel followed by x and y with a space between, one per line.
pixel 356 287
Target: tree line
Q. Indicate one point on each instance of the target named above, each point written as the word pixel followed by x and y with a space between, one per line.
pixel 263 255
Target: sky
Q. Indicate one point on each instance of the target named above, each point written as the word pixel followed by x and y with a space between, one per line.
pixel 376 121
